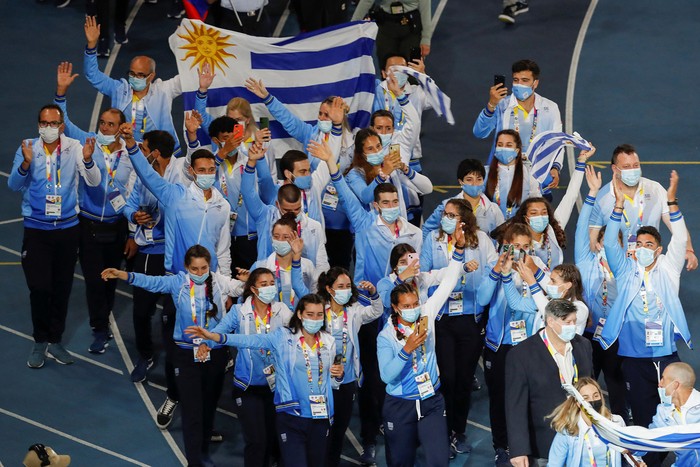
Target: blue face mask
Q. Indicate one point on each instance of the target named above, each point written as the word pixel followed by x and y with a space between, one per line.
pixel 401 79
pixel 448 225
pixel 473 191
pixel 376 158
pixel 410 315
pixel 324 126
pixel 138 84
pixel 267 294
pixel 665 399
pixel 539 223
pixel 568 331
pixel 505 155
pixel 400 270
pixel 199 280
pixel 299 217
pixel 553 291
pixel 342 296
pixel 645 256
pixel 386 139
pixel 630 177
pixel 205 181
pixel 390 214
pixel 522 92
pixel 304 183
pixel 312 326
pixel 281 248
pixel 105 140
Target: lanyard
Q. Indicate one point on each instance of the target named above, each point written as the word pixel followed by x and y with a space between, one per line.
pixel 389 98
pixel 641 210
pixel 591 457
pixel 397 232
pixel 192 303
pixel 259 323
pixel 305 350
pixel 402 329
pixel 136 105
pixel 329 314
pixel 517 123
pixel 552 352
pixel 643 293
pixel 111 170
pixel 299 228
pixel 497 196
pixel 49 175
pixel 278 280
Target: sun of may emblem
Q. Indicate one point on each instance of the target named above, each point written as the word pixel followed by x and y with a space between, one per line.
pixel 205 45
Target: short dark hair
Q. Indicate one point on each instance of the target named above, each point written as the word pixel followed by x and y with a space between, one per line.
pixel 397 252
pixel 290 158
pixel 516 229
pixel 381 113
pixel 650 230
pixel 383 188
pixel 289 193
pixel 328 278
pixel 200 154
pixel 386 58
pixel 221 125
pixel 288 220
pixel 468 166
pixel 50 107
pixel 526 65
pixel 295 323
pixel 623 148
pixel 160 140
pixel 559 308
pixel 119 113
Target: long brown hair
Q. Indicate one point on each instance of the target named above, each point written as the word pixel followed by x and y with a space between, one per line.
pixel 470 227
pixel 565 416
pixel 515 193
pixel 570 273
pixel 359 160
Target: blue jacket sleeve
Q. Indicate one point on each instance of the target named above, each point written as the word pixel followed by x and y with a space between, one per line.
pixel 515 299
pixel 72 130
pixel 267 187
pixel 486 122
pixel 200 105
pixel 296 127
pixel 132 204
pixel 359 217
pixel 358 185
pixel 163 190
pixel 559 450
pixel 384 288
pixel 615 253
pixel 582 248
pixel 99 80
pixel 229 323
pixel 156 284
pixel 18 178
pixel 251 198
pixel 251 341
pixel 391 363
pixel 488 287
pixel 426 254
pixel 298 285
pixel 433 222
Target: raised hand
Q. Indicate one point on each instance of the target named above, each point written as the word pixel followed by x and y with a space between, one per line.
pixel 206 77
pixel 415 340
pixel 499 264
pixel 112 273
pixel 458 235
pixel 418 65
pixel 584 155
pixel 412 270
pixel 368 286
pixel 264 135
pixel 337 112
pixel 27 153
pixel 256 87
pixel 320 151
pixel 472 265
pixel 297 244
pixel 64 77
pixel 92 31
pixel 193 120
pixel 256 151
pixel 672 186
pixel 88 149
pixel 526 273
pixel 594 180
pixel 127 132
pixel 507 265
pixel 393 85
pixel 242 274
pixel 391 162
pixel 496 93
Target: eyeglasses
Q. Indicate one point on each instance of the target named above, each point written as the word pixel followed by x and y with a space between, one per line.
pixel 138 75
pixel 43 124
pixel 449 215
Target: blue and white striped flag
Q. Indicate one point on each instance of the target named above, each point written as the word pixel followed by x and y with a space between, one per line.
pixel 544 148
pixel 637 438
pixel 440 101
pixel 300 71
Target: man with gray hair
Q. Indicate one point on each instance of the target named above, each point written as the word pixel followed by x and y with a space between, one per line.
pixel 535 371
pixel 680 405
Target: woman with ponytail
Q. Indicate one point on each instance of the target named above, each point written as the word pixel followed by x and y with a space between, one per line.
pixel 199 296
pixel 347 307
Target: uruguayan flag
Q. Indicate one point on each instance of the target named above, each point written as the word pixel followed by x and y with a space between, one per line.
pixel 300 71
pixel 637 438
pixel 544 148
pixel 439 101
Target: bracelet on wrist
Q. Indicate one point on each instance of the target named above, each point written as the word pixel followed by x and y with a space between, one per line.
pixel 672 203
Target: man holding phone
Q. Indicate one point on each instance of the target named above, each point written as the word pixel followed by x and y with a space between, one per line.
pixel 524 111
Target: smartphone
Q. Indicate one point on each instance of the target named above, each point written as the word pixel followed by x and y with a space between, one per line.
pixel 518 255
pixel 505 248
pixel 264 123
pixel 338 359
pixel 411 257
pixel 422 325
pixel 237 131
pixel 395 148
pixel 499 79
pixel 415 54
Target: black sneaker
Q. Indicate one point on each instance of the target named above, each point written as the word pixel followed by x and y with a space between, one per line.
pixel 369 454
pixel 120 35
pixel 216 437
pixel 103 48
pixel 140 371
pixel 502 458
pixel 511 11
pixel 176 10
pixel 458 442
pixel 99 343
pixel 62 3
pixel 165 413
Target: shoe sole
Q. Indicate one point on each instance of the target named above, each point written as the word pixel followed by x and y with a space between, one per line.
pixel 163 427
pixel 36 367
pixel 64 4
pixel 53 357
pixel 506 19
pixel 520 12
pixel 145 376
pixel 97 352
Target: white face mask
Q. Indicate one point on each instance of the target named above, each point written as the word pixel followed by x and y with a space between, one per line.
pixel 49 135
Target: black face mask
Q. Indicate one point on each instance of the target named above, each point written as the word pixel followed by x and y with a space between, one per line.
pixel 597 405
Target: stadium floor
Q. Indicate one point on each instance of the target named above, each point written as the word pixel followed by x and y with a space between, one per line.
pixel 633 67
